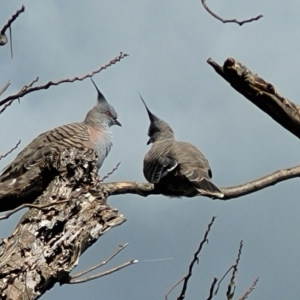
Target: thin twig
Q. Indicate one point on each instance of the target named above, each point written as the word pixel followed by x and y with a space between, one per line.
pixel 6 106
pixel 108 272
pixel 212 287
pixel 120 248
pixel 252 288
pixel 195 259
pixel 3 37
pixel 12 19
pixel 11 150
pixel 11 212
pixel 173 287
pixel 234 267
pixel 230 294
pixel 7 84
pixel 111 172
pixel 220 281
pixel 25 87
pixel 52 83
pixel 229 20
pixel 10 43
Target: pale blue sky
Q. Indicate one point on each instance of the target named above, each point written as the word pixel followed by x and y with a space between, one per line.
pixel 169 43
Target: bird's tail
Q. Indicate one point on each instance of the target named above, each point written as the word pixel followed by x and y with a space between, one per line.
pixel 207 188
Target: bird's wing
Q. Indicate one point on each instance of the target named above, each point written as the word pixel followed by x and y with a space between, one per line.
pixel 195 167
pixel 158 163
pixel 55 140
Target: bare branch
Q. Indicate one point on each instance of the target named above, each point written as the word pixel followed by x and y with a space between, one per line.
pixel 110 271
pixel 234 267
pixel 186 278
pixel 120 248
pixel 248 292
pixel 3 38
pixel 31 89
pixel 231 284
pixel 11 150
pixel 212 287
pixel 25 87
pixel 12 19
pixel 6 106
pixel 229 20
pixel 7 84
pixel 111 172
pixel 146 189
pixel 195 259
pixel 260 93
pixel 10 43
pixel 173 287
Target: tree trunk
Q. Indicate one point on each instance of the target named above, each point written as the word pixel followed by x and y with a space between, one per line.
pixel 46 244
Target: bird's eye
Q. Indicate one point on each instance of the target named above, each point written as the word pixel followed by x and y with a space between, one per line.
pixel 108 113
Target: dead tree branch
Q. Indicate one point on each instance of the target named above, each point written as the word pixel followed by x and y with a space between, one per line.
pixel 105 273
pixel 146 189
pixel 3 38
pixel 26 188
pixel 195 260
pixel 260 93
pixel 103 263
pixel 111 172
pixel 29 89
pixel 172 288
pixel 250 290
pixel 186 278
pixel 11 150
pixel 212 288
pixel 230 290
pixel 229 20
pixel 5 106
pixel 48 241
pixel 7 84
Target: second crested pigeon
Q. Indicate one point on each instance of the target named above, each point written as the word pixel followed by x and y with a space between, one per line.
pixel 176 168
pixel 93 133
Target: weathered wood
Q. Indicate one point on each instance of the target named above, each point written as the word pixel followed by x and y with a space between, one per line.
pixel 261 93
pixel 47 243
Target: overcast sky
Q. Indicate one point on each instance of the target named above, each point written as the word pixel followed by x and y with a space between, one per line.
pixel 169 43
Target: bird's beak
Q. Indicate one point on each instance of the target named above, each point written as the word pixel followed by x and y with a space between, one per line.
pixel 149 141
pixel 117 123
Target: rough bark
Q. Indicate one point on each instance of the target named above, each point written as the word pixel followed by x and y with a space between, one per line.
pixel 47 243
pixel 261 93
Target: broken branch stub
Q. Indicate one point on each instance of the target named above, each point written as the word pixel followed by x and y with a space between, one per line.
pixel 261 93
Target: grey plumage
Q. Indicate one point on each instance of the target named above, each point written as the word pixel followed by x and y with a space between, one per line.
pixel 176 168
pixel 94 133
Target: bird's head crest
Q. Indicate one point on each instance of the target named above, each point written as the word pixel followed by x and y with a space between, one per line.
pixel 102 110
pixel 158 129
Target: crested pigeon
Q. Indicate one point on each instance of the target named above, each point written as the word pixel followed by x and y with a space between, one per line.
pixel 93 133
pixel 176 168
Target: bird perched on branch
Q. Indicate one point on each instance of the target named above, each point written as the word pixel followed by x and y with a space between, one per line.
pixel 176 168
pixel 93 133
